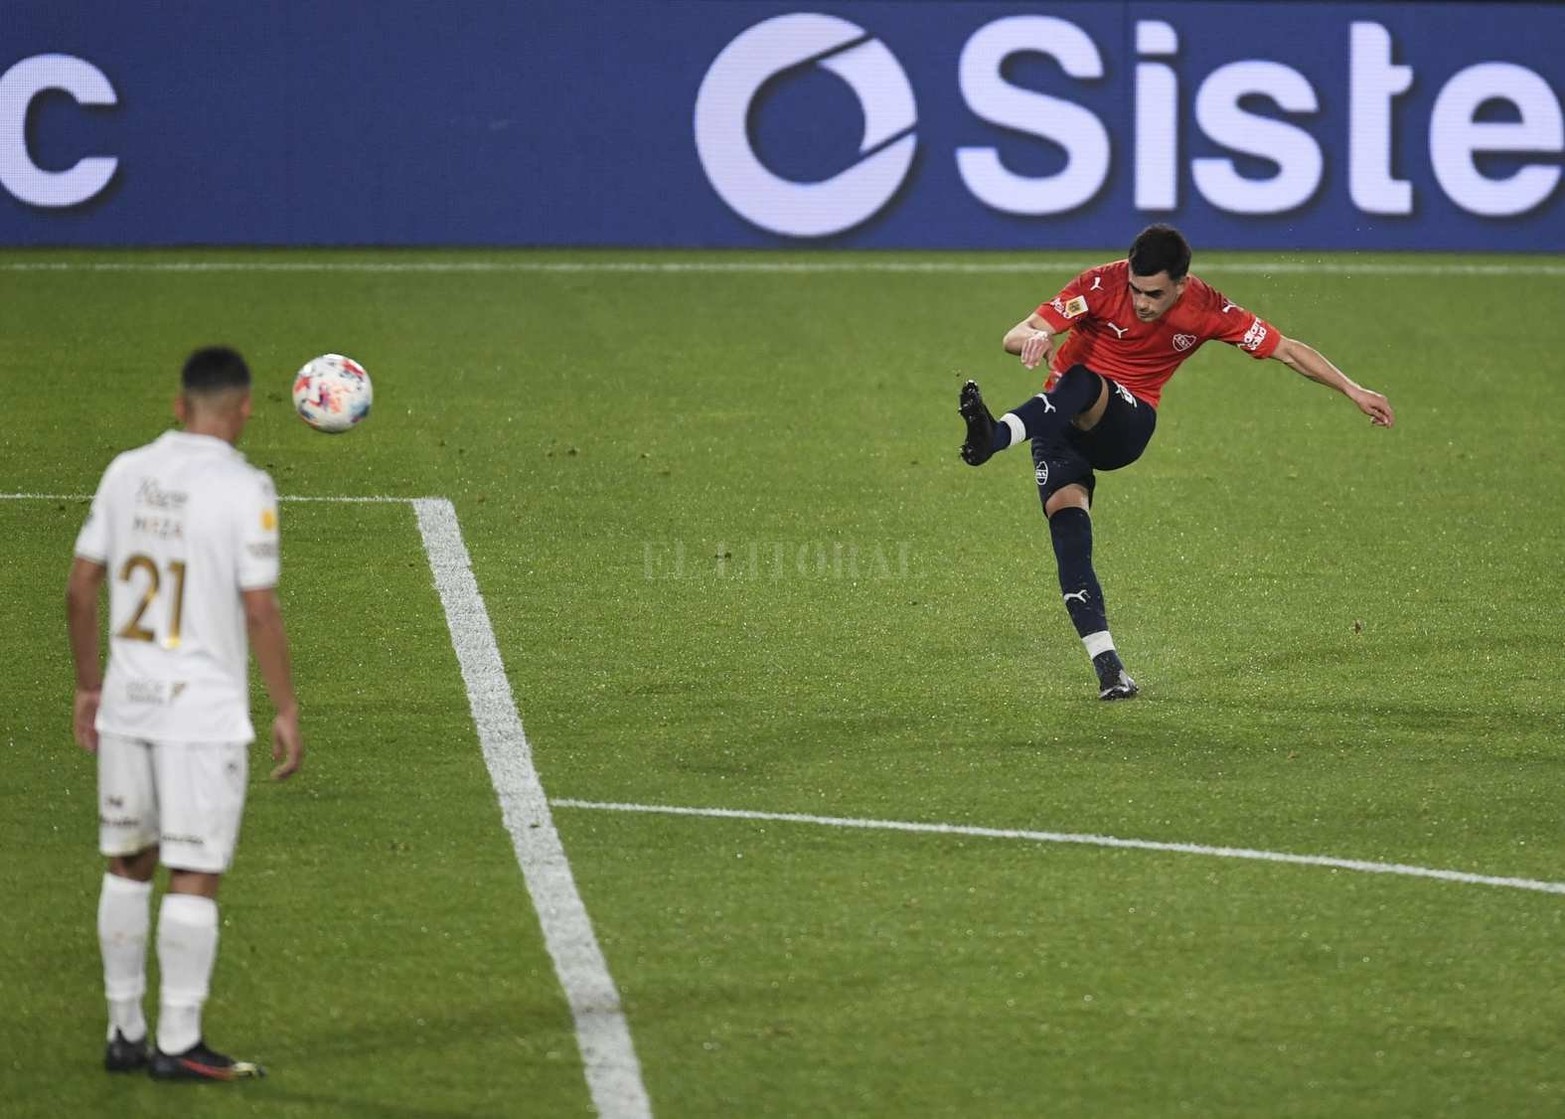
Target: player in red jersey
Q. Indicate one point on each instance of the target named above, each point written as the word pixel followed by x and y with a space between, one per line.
pixel 1131 324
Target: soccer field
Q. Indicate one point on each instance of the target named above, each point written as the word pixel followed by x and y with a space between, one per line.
pixel 732 565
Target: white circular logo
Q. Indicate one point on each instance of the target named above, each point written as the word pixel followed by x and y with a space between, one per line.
pixel 722 116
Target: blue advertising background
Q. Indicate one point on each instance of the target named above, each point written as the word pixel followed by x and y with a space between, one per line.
pixel 556 123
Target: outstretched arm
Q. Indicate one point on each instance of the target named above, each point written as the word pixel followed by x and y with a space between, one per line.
pixel 1031 339
pixel 1309 362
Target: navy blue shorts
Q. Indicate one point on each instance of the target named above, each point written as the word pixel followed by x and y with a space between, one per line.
pixel 1117 441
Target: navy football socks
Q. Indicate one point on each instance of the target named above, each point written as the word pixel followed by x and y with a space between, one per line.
pixel 1045 413
pixel 1071 529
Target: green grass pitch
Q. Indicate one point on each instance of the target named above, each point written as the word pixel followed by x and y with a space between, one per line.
pixel 732 561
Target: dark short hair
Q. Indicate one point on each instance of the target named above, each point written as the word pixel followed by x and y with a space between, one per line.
pixel 1160 248
pixel 213 369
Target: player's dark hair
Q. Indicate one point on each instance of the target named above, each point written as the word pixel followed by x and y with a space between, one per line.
pixel 1160 248
pixel 213 369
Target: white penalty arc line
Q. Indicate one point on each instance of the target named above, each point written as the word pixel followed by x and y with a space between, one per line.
pixel 1087 840
pixel 612 1070
pixel 781 267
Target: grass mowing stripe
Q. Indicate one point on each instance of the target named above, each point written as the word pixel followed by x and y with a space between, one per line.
pixel 1085 840
pixel 1362 866
pixel 779 267
pixel 613 1073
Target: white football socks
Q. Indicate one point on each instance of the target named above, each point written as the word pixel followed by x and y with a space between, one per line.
pixel 187 949
pixel 124 916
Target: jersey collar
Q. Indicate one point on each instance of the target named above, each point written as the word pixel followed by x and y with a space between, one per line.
pixel 209 444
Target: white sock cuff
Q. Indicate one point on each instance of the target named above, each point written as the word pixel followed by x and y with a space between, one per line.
pixel 1018 429
pixel 126 887
pixel 1099 642
pixel 189 909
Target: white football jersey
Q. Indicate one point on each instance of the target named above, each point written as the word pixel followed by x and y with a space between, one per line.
pixel 183 525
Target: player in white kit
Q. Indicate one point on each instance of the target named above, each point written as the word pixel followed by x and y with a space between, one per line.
pixel 185 532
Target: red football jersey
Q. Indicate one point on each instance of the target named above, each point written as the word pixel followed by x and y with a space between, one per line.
pixel 1107 338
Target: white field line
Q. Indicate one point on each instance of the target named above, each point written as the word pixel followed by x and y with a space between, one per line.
pixel 781 267
pixel 1083 839
pixel 613 1072
pixel 608 1055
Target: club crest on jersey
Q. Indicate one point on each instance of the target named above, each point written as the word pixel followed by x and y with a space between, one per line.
pixel 1183 342
pixel 1041 472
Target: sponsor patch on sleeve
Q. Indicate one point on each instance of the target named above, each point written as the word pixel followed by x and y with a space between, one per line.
pixel 1074 307
pixel 268 520
pixel 1254 336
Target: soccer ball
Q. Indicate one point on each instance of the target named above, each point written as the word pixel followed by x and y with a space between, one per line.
pixel 332 393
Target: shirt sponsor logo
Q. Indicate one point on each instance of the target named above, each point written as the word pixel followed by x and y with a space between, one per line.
pixel 157 693
pixel 1075 307
pixel 145 691
pixel 1119 331
pixel 1183 342
pixel 1254 336
pixel 150 493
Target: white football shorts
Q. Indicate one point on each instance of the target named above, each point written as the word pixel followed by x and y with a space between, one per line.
pixel 186 797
